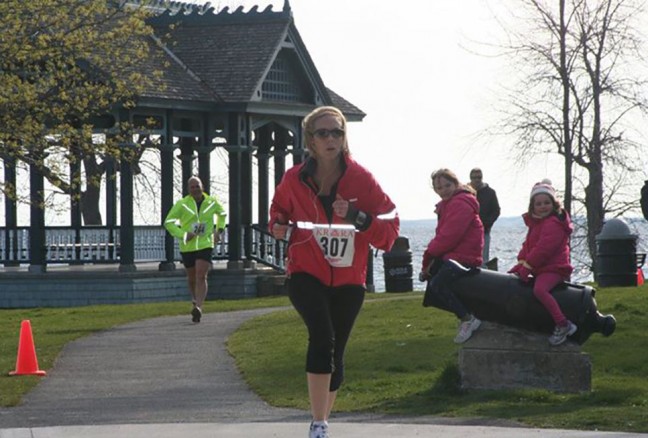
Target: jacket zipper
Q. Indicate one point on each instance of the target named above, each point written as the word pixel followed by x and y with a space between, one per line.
pixel 329 220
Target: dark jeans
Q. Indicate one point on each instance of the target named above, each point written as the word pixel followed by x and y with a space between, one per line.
pixel 329 314
pixel 439 293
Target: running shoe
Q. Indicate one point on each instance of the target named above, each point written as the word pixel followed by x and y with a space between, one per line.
pixel 319 430
pixel 196 314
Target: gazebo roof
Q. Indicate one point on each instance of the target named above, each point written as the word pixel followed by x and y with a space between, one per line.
pixel 226 58
pixel 175 83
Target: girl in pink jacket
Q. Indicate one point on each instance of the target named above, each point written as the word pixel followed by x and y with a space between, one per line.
pixel 545 254
pixel 459 237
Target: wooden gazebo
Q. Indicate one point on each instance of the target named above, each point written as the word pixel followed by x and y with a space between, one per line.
pixel 237 80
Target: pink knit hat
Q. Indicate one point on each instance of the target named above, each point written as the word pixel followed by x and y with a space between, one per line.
pixel 545 187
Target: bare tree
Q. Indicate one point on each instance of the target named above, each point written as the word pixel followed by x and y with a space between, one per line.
pixel 581 87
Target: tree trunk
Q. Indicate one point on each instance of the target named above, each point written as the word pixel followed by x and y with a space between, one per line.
pixel 90 206
pixel 594 207
pixel 566 107
pixel 91 196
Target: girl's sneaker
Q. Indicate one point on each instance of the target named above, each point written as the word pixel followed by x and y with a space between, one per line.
pixel 318 429
pixel 466 329
pixel 560 333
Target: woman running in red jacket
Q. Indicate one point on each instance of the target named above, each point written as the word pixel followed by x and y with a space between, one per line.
pixel 327 263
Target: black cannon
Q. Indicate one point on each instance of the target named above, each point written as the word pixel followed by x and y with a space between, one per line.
pixel 503 298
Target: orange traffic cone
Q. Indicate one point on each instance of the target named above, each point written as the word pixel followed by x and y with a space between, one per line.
pixel 640 277
pixel 26 362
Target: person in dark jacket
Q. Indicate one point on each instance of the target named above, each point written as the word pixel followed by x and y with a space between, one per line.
pixel 334 209
pixel 489 208
pixel 545 254
pixel 644 200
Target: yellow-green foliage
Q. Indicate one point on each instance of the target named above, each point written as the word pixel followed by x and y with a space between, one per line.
pixel 61 63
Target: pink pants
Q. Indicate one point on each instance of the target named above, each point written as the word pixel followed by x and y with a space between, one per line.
pixel 542 291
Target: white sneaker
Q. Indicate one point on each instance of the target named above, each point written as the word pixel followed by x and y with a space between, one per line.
pixel 466 329
pixel 560 333
pixel 319 430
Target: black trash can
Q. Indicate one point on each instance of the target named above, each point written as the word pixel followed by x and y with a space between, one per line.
pixel 398 267
pixel 616 255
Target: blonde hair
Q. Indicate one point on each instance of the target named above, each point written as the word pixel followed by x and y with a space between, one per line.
pixel 452 177
pixel 308 125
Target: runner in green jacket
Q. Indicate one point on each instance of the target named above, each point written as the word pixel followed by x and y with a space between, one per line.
pixel 197 220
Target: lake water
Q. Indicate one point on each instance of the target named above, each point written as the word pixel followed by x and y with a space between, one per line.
pixel 507 236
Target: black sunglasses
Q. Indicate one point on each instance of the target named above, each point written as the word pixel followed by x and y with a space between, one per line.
pixel 324 133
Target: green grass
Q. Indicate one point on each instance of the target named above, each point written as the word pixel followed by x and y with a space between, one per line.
pixel 400 360
pixel 52 328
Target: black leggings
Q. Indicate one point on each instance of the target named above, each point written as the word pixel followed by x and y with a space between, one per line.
pixel 329 314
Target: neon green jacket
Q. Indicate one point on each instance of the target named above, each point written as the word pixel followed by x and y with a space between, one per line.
pixel 185 217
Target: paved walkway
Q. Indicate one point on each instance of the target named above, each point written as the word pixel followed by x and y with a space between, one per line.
pixel 168 378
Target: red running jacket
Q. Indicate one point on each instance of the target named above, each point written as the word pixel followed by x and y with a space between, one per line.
pixel 546 247
pixel 296 199
pixel 459 232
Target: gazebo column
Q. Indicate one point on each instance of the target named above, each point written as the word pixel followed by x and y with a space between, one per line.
pixel 204 154
pixel 186 159
pixel 37 250
pixel 204 162
pixel 166 202
pixel 126 231
pixel 263 160
pixel 279 153
pixel 279 159
pixel 187 147
pixel 247 198
pixel 298 151
pixel 264 142
pixel 11 213
pixel 166 197
pixel 237 140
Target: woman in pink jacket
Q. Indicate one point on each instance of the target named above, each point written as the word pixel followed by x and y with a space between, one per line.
pixel 459 237
pixel 545 254
pixel 327 260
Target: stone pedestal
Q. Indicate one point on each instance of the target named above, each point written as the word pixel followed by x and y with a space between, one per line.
pixel 503 357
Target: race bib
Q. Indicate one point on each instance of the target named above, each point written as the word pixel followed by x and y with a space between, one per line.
pixel 337 244
pixel 198 228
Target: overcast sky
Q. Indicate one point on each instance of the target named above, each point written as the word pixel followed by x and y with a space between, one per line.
pixel 411 67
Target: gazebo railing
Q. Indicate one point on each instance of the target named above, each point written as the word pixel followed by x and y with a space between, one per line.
pixel 67 245
pixel 266 249
pixel 91 245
